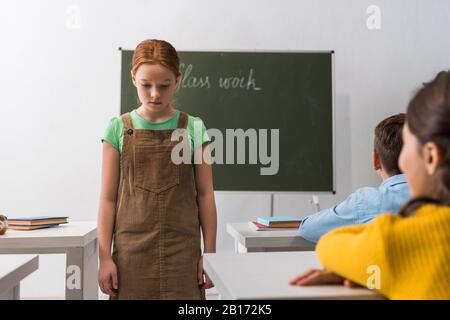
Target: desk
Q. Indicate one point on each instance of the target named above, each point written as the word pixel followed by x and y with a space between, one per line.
pixel 78 240
pixel 13 269
pixel 266 275
pixel 249 240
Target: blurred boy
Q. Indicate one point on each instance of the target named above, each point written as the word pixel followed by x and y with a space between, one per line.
pixel 366 203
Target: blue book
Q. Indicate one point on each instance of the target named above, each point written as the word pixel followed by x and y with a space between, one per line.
pixel 280 221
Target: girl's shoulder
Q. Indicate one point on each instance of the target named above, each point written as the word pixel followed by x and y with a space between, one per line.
pixel 114 132
pixel 116 124
pixel 433 211
pixel 195 122
pixel 118 121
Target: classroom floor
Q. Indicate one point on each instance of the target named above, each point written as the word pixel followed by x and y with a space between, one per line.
pixel 211 294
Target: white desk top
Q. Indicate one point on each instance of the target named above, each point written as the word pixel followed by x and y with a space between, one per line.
pixel 266 275
pixel 72 234
pixel 14 268
pixel 267 239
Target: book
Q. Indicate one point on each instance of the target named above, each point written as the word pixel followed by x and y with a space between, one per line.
pixel 260 227
pixel 280 222
pixel 22 227
pixel 36 221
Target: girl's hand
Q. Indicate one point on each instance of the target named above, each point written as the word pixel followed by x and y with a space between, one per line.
pixel 203 280
pixel 317 276
pixel 107 277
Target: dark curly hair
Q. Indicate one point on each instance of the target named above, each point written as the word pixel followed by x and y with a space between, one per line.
pixel 428 118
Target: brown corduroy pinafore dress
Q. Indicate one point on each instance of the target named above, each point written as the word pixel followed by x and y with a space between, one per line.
pixel 157 230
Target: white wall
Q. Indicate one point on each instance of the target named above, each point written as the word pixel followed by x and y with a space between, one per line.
pixel 60 86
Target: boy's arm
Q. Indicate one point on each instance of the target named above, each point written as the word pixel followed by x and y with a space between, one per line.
pixel 345 213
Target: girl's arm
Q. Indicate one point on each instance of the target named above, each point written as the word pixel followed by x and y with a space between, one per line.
pixel 352 251
pixel 108 197
pixel 206 202
pixel 353 255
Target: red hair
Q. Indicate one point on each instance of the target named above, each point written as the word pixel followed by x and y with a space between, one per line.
pixel 156 52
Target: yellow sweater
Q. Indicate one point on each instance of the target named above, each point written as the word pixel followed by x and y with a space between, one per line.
pixel 410 255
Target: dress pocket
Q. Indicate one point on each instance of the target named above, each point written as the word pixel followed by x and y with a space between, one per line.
pixel 154 169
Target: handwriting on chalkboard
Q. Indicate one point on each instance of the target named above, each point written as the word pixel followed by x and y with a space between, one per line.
pixel 194 81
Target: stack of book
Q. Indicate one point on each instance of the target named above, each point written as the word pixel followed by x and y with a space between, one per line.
pixel 275 224
pixel 32 223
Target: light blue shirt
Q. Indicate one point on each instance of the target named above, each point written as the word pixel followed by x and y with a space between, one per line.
pixel 360 207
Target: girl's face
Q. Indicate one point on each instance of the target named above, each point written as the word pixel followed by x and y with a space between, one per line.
pixel 155 85
pixel 417 164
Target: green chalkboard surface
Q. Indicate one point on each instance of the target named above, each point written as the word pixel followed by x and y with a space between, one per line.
pixel 252 91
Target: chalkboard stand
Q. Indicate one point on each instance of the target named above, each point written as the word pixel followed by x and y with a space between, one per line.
pixel 272 199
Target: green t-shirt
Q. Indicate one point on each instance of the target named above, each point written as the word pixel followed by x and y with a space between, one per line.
pixel 195 126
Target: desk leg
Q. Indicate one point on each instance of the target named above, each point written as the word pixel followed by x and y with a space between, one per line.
pixel 16 292
pixel 81 272
pixel 239 248
pixel 11 294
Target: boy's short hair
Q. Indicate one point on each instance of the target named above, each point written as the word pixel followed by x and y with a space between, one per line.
pixel 388 142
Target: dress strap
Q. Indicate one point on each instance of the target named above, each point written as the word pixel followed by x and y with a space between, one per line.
pixel 126 118
pixel 182 121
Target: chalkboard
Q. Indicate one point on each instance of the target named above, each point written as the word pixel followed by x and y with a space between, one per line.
pixel 289 91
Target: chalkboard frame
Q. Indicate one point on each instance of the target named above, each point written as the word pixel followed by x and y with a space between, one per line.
pixel 333 115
